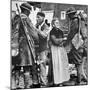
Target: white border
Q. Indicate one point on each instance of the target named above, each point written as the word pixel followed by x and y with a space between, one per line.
pixel 5 43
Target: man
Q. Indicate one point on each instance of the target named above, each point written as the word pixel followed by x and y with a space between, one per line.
pixel 26 40
pixel 74 55
pixel 43 30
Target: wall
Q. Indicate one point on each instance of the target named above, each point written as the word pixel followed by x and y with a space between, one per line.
pixel 58 8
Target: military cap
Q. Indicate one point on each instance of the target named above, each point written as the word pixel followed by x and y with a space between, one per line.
pixel 71 10
pixel 26 6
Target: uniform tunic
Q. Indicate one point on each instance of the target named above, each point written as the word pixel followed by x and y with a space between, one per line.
pixel 74 55
pixel 26 53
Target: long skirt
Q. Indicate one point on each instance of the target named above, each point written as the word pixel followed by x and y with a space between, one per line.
pixel 60 64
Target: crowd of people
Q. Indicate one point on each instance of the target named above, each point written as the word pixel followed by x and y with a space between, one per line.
pixel 30 44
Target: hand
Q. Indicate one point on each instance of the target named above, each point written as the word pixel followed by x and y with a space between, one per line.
pixel 38 62
pixel 61 44
pixel 65 38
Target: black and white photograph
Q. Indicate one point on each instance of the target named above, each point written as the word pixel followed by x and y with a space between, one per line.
pixel 49 44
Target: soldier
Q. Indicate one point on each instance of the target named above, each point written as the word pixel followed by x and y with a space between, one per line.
pixel 43 31
pixel 26 39
pixel 74 39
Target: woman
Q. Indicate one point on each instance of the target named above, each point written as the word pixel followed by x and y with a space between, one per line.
pixel 59 55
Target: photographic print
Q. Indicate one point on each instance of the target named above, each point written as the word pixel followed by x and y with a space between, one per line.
pixel 49 44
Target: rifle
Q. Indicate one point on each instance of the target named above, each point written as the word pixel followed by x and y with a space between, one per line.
pixel 28 38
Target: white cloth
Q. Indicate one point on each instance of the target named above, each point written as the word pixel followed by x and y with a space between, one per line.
pixel 60 64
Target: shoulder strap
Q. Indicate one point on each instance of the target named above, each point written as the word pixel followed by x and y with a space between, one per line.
pixel 79 25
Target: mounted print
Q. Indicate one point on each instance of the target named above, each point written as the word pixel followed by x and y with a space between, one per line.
pixel 49 44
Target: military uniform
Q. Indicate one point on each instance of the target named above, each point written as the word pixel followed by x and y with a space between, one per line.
pixel 75 56
pixel 27 54
pixel 43 52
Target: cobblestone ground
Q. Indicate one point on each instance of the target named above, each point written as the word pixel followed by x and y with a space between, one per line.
pixel 71 82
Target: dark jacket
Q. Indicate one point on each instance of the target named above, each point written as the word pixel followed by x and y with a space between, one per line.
pixel 74 56
pixel 27 54
pixel 43 40
pixel 58 34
